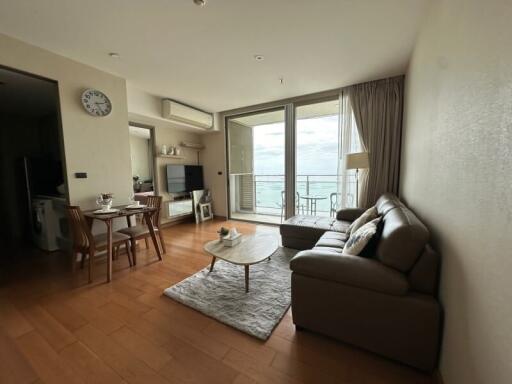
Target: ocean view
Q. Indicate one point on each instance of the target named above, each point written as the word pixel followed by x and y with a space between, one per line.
pixel 269 188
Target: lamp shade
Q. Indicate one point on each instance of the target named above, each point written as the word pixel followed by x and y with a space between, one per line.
pixel 357 160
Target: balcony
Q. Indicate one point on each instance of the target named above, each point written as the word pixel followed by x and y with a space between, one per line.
pixel 259 197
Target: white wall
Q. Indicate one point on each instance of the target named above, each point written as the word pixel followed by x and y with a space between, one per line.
pixel 98 146
pixel 214 164
pixel 456 174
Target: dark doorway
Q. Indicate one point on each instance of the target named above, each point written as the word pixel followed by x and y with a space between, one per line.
pixel 33 192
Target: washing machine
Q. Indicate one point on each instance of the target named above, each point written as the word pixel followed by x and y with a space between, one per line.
pixel 45 226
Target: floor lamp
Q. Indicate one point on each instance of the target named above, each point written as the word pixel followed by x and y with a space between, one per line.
pixel 356 161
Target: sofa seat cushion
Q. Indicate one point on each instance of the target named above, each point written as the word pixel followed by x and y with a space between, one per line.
pixel 335 235
pixel 328 249
pixel 355 271
pixel 311 227
pixel 332 240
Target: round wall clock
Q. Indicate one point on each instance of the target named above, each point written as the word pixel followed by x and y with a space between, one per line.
pixel 96 103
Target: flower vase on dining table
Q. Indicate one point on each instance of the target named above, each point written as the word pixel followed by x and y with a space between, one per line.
pixel 104 200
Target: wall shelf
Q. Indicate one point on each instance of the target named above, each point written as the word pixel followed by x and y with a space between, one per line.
pixel 170 156
pixel 196 146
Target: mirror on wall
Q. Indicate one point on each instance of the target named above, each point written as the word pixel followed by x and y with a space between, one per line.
pixel 142 159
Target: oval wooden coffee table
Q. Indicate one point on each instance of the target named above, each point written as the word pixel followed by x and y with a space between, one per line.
pixel 252 249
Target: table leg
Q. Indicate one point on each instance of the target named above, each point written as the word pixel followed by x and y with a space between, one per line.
pixel 109 250
pixel 247 278
pixel 213 263
pixel 149 223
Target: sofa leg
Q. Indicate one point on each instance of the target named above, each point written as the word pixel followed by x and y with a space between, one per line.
pixel 298 328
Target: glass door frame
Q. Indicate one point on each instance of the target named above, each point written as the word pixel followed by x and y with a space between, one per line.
pixel 277 107
pixel 298 104
pixel 290 154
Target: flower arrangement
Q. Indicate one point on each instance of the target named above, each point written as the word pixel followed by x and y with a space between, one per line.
pixel 104 200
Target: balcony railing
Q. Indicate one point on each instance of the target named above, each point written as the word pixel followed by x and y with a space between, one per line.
pixel 268 189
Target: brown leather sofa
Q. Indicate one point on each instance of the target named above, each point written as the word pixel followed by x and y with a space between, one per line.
pixel 385 302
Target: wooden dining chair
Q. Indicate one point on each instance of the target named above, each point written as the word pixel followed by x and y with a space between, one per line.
pixel 85 243
pixel 141 231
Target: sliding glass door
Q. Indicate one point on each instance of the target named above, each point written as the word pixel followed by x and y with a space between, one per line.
pixel 317 158
pixel 289 160
pixel 256 166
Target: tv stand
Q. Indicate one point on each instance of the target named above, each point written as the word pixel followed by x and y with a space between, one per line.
pixel 180 207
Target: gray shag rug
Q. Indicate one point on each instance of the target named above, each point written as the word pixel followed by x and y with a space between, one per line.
pixel 221 294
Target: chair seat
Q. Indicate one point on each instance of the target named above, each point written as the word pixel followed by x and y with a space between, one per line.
pixel 101 240
pixel 136 231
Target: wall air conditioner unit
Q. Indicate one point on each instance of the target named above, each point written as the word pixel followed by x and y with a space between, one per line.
pixel 175 111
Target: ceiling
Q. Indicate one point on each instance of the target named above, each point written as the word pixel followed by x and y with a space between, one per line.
pixel 204 56
pixel 25 95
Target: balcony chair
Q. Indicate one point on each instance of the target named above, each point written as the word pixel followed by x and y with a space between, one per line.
pixel 335 203
pixel 283 204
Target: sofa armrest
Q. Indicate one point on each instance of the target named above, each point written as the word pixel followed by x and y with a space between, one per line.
pixel 349 214
pixel 350 270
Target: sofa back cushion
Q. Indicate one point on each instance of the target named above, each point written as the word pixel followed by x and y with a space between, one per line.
pixel 387 202
pixel 403 235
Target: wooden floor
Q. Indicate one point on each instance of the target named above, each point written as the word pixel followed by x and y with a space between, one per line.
pixel 55 328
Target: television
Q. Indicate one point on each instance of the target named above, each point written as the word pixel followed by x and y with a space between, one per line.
pixel 184 178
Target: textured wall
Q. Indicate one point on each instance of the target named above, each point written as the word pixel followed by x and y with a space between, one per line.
pixel 457 175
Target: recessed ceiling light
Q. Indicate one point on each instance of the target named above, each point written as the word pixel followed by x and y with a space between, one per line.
pixel 200 2
pixel 259 57
pixel 114 55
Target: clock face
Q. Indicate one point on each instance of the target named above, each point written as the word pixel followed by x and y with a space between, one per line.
pixel 96 103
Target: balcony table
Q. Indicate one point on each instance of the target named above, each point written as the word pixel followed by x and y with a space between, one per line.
pixel 123 212
pixel 311 201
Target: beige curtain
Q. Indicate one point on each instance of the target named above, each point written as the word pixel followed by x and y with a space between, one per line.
pixel 378 108
pixel 349 143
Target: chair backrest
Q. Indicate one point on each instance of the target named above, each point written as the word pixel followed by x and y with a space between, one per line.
pixel 155 202
pixel 335 200
pixel 283 199
pixel 80 231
